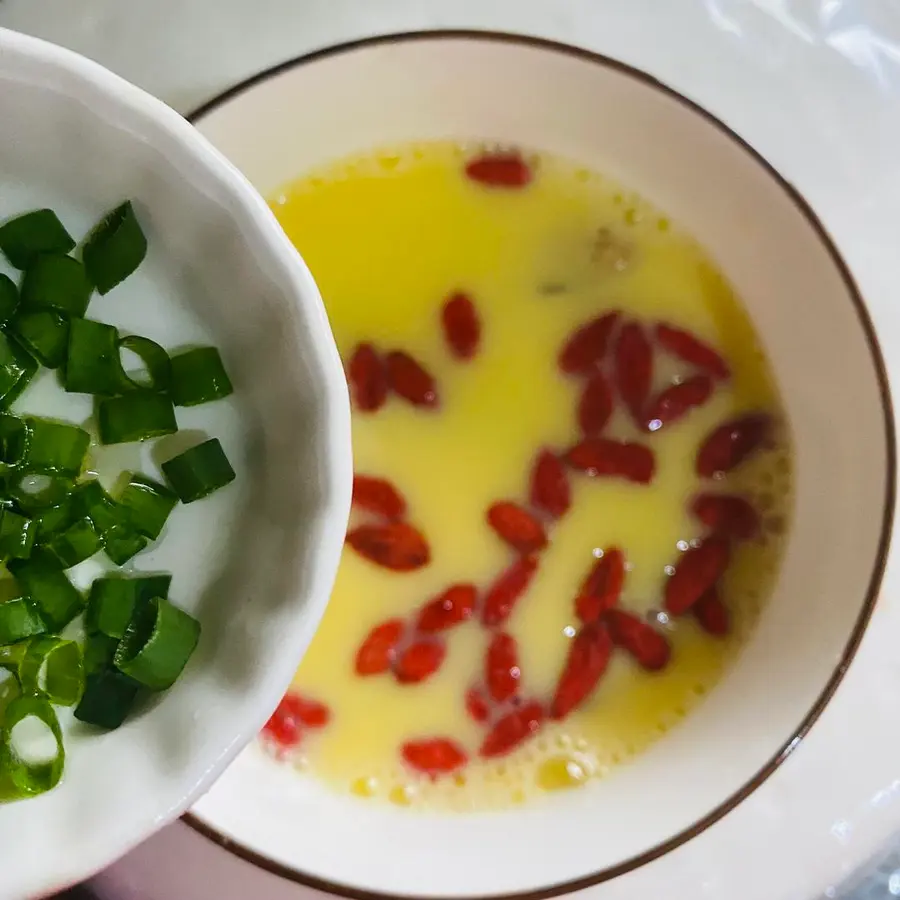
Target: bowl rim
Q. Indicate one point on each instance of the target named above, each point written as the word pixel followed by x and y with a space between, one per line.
pixel 76 76
pixel 488 36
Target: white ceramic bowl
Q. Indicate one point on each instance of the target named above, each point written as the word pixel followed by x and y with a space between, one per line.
pixel 255 563
pixel 817 333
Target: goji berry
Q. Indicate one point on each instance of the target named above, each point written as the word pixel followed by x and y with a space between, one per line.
pixel 368 379
pixel 477 706
pixel 586 662
pixel 585 348
pixel 377 651
pixel 550 490
pixel 512 730
pixel 698 569
pixel 621 459
pixel 685 346
pixel 675 401
pixel 507 590
pixel 634 369
pixel 462 328
pixel 517 527
pixel 434 756
pixel 501 169
pixel 394 545
pixel 596 405
pixel 501 667
pixel 731 443
pixel 379 496
pixel 649 648
pixel 452 607
pixel 602 587
pixel 420 660
pixel 727 515
pixel 309 712
pixel 410 380
pixel 712 614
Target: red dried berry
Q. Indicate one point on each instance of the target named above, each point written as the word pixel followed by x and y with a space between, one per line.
pixel 462 328
pixel 587 660
pixel 685 346
pixel 727 515
pixel 512 730
pixel 634 369
pixel 501 667
pixel 731 443
pixel 285 725
pixel 596 405
pixel 602 588
pixel 434 756
pixel 507 590
pixel 604 456
pixel 517 527
pixel 649 648
pixel 712 614
pixel 409 379
pixel 368 379
pixel 420 660
pixel 585 349
pixel 379 496
pixel 675 401
pixel 309 712
pixel 550 490
pixel 477 706
pixel 377 651
pixel 452 607
pixel 396 545
pixel 698 569
pixel 501 169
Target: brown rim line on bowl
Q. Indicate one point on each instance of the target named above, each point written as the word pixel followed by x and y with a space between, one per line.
pixel 844 332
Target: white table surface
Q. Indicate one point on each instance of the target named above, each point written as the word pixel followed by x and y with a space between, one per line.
pixel 187 51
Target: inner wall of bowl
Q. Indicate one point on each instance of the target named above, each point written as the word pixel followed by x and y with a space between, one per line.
pixel 244 559
pixel 798 298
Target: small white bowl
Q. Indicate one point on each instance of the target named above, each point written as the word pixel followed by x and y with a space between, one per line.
pixel 255 562
pixel 826 359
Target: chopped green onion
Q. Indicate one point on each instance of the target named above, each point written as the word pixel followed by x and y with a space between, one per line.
pixel 155 360
pixel 113 598
pixel 122 542
pixel 53 668
pixel 9 298
pixel 30 778
pixel 108 698
pixel 92 361
pixel 137 416
pixel 44 333
pixel 91 500
pixel 99 650
pixel 17 368
pixel 13 442
pixel 43 580
pixel 148 504
pixel 56 447
pixel 54 519
pixel 20 619
pixel 198 472
pixel 77 543
pixel 17 535
pixel 115 248
pixel 36 491
pixel 157 644
pixel 198 376
pixel 24 238
pixel 56 282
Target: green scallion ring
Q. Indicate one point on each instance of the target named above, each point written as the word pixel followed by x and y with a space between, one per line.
pixel 92 360
pixel 56 282
pixel 137 416
pixel 155 359
pixel 31 778
pixel 19 619
pixel 53 668
pixel 198 472
pixel 44 333
pixel 26 237
pixel 114 249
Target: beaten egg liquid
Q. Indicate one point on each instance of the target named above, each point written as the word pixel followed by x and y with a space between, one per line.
pixel 389 237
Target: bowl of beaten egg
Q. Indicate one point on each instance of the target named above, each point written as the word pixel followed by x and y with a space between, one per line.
pixel 624 469
pixel 157 593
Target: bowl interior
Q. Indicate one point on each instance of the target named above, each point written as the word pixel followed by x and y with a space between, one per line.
pixel 816 333
pixel 255 562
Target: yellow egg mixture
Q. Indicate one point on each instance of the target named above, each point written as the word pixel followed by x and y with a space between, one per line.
pixel 389 236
